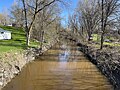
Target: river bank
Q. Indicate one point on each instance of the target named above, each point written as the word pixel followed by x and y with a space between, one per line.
pixel 11 63
pixel 107 60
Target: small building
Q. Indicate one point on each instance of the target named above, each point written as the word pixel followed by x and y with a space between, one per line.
pixel 4 34
pixel 9 25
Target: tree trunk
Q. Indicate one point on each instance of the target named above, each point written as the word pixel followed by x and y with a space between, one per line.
pixel 27 39
pixel 102 40
pixel 102 27
pixel 42 36
pixel 119 32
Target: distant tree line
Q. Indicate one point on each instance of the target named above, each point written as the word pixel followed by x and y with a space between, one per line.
pixel 95 16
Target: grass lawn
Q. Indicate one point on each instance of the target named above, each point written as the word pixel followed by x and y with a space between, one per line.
pixel 18 41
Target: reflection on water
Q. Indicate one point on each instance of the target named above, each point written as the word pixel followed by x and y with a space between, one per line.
pixel 61 68
pixel 65 54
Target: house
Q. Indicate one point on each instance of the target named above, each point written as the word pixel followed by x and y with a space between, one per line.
pixel 9 25
pixel 4 34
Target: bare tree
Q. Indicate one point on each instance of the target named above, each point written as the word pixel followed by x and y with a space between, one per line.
pixel 17 14
pixel 36 6
pixel 73 24
pixel 4 18
pixel 45 23
pixel 88 16
pixel 118 25
pixel 109 8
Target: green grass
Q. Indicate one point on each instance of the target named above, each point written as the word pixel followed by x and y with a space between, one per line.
pixel 111 44
pixel 96 38
pixel 18 41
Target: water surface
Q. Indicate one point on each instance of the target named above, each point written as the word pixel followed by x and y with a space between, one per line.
pixel 61 68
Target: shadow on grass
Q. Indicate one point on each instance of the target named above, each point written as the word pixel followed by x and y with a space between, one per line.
pixel 17 33
pixel 22 46
pixel 20 40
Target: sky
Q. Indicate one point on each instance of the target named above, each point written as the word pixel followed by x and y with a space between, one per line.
pixel 6 4
pixel 66 11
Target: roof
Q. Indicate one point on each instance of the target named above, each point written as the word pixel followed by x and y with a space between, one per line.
pixel 2 30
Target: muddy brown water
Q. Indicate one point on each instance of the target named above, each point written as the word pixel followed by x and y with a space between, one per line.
pixel 61 68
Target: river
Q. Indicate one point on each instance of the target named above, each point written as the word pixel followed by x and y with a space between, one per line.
pixel 62 67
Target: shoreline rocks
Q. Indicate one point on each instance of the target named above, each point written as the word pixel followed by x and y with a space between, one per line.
pixel 107 61
pixel 11 63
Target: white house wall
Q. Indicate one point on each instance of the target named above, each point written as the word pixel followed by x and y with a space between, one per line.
pixel 5 35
